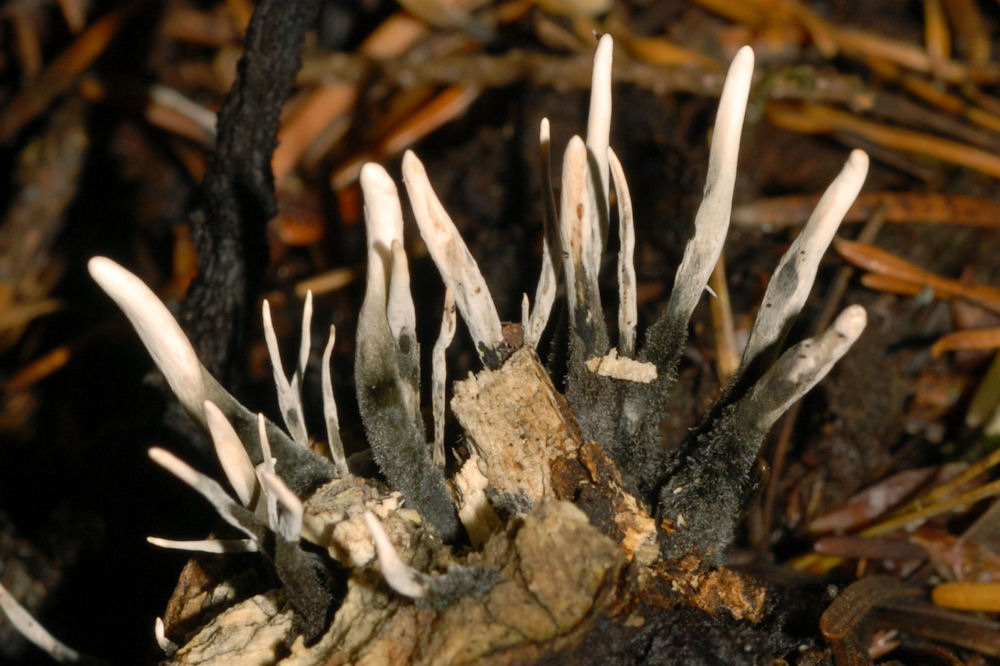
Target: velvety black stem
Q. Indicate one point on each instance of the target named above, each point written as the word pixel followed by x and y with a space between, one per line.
pixel 229 234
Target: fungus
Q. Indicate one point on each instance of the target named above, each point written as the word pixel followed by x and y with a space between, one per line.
pixel 22 620
pixel 530 440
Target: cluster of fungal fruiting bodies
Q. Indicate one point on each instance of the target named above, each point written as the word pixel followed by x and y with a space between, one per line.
pixel 529 445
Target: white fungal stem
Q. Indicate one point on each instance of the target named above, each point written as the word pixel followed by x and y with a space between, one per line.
pixel 454 261
pixel 159 331
pixel 231 512
pixel 220 546
pixel 265 444
pixel 305 346
pixel 165 644
pixel 232 455
pixel 176 359
pixel 627 305
pixel 383 225
pixel 330 410
pixel 399 310
pixel 545 291
pixel 439 374
pixel 289 397
pixel 30 628
pixel 403 328
pixel 401 577
pixel 793 278
pixel 266 466
pixel 799 369
pixel 599 125
pixel 289 521
pixel 387 292
pixel 579 234
pixel 712 220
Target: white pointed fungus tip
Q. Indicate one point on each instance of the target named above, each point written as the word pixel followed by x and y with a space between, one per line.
pixel 545 291
pixel 267 465
pixel 400 577
pixel 383 211
pixel 796 271
pixel 732 109
pixel 599 114
pixel 31 629
pixel 800 368
pixel 207 487
pixel 289 524
pixel 271 338
pixel 174 465
pixel 305 343
pixel 454 262
pixel 711 222
pixel 265 443
pixel 164 643
pixel 159 331
pixel 578 232
pixel 439 375
pixel 215 546
pixel 289 393
pixel 851 323
pixel 628 313
pixel 232 455
pixel 383 225
pixel 333 439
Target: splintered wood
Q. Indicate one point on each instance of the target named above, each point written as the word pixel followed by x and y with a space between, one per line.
pixel 518 424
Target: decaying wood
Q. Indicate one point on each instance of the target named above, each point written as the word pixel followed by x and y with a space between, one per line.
pixel 518 425
pixel 555 570
pixel 577 553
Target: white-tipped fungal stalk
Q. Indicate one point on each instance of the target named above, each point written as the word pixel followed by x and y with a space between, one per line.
pixel 580 238
pixel 289 522
pixel 192 383
pixel 216 546
pixel 164 643
pixel 599 130
pixel 159 331
pixel 793 278
pixel 545 292
pixel 388 284
pixel 700 505
pixel 628 314
pixel 712 219
pixel 401 577
pixel 387 366
pixel 449 323
pixel 334 442
pixel 800 368
pixel 290 392
pixel 266 467
pixel 230 511
pixel 453 259
pixel 30 628
pixel 232 455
